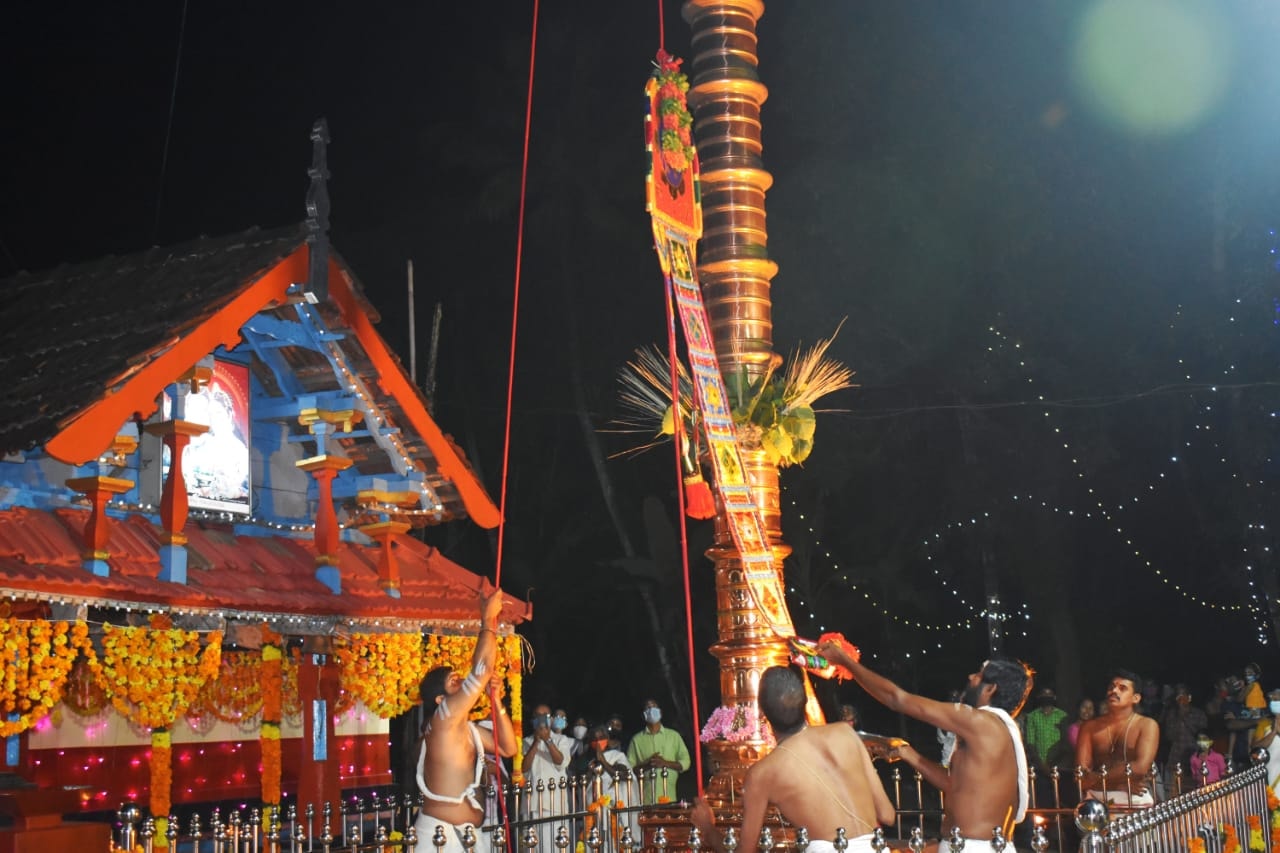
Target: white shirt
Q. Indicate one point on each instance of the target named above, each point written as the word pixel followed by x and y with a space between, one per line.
pixel 541 767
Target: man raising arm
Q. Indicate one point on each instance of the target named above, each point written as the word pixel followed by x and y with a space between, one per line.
pixel 451 758
pixel 987 783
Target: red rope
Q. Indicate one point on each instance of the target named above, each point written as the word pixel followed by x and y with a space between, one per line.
pixel 511 381
pixel 515 307
pixel 684 530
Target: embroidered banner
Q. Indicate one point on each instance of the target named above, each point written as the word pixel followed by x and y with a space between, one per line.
pixel 674 203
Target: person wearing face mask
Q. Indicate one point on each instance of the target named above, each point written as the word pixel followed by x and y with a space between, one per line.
pixel 1178 728
pixel 546 759
pixel 579 734
pixel 1269 725
pixel 560 722
pixel 659 748
pixel 1207 764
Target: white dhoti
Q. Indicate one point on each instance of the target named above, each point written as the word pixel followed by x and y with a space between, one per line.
pixel 1124 800
pixel 426 829
pixel 975 845
pixel 860 844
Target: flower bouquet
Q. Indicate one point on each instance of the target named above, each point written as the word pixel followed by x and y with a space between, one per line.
pixel 737 724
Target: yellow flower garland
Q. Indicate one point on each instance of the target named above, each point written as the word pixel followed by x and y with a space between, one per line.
pixel 152 675
pixel 38 656
pixel 383 670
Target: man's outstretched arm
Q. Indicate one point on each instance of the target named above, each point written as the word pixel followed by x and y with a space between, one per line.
pixel 933 772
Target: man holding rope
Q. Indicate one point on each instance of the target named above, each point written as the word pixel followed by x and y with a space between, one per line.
pixel 986 786
pixel 451 758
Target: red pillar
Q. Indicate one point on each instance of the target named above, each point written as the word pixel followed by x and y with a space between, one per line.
pixel 318 779
pixel 324 468
pixel 97 529
pixel 388 567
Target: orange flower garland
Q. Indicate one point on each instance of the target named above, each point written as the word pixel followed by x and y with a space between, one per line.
pixel 383 670
pixel 38 656
pixel 152 675
pixel 1230 839
pixel 1257 841
pixel 161 782
pixel 272 691
pixel 1195 845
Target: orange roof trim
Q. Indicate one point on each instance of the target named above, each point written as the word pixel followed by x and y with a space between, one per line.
pixel 88 435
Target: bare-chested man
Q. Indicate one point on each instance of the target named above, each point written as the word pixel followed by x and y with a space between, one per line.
pixel 986 786
pixel 820 778
pixel 451 760
pixel 1122 738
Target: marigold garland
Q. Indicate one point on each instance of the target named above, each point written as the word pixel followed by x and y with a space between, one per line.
pixel 38 657
pixel 152 675
pixel 1257 841
pixel 161 780
pixel 383 670
pixel 271 675
pixel 1230 839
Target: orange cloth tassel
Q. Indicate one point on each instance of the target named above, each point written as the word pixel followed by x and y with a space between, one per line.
pixel 698 502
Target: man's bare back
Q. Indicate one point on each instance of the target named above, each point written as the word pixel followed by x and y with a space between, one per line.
pixel 821 778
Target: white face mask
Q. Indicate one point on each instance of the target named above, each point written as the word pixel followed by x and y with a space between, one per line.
pixel 579 732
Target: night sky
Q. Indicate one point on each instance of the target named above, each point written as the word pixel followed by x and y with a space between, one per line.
pixel 1058 269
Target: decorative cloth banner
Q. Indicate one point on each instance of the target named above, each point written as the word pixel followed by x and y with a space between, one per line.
pixel 675 205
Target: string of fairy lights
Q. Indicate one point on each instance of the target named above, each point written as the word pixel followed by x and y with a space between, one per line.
pixel 972 615
pixel 1107 513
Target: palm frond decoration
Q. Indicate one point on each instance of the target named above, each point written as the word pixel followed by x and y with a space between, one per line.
pixel 646 393
pixel 775 410
pixel 812 376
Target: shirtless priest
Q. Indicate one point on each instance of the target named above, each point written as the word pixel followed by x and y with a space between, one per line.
pixel 820 778
pixel 1121 739
pixel 986 786
pixel 451 758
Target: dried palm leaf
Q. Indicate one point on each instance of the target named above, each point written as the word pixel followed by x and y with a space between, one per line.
pixel 811 376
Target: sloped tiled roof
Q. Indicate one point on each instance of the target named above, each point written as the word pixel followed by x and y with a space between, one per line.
pixel 71 333
pixel 39 553
pixel 89 346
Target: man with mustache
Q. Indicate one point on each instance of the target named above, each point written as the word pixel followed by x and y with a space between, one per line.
pixel 1122 739
pixel 986 784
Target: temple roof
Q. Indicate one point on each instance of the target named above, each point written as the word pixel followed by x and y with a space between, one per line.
pixel 240 577
pixel 73 333
pixel 90 346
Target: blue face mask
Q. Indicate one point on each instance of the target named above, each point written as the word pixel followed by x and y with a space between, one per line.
pixel 558 724
pixel 1249 678
pixel 1275 707
pixel 652 715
